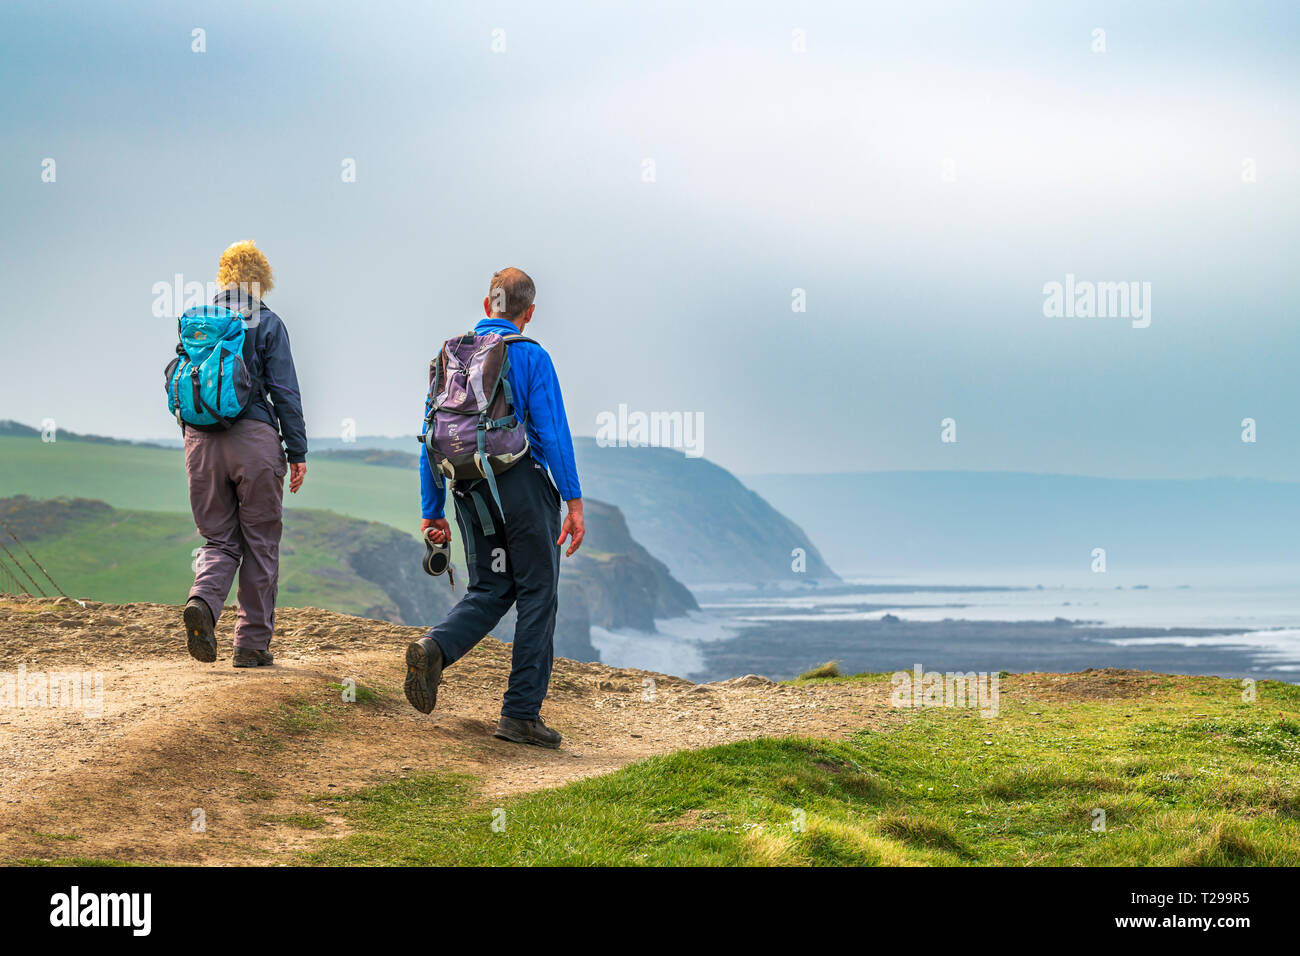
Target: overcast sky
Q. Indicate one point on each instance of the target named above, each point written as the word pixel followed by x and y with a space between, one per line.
pixel 921 171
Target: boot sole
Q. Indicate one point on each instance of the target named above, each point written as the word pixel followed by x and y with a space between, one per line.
pixel 201 642
pixel 531 741
pixel 422 678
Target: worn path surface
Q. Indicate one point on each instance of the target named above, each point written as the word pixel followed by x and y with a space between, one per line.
pixel 250 748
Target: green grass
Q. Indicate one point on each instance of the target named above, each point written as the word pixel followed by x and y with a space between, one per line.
pixel 364 694
pixel 944 787
pixel 122 557
pixel 829 669
pixel 153 479
pixel 291 719
pixel 303 717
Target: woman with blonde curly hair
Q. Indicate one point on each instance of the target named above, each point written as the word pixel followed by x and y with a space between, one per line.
pixel 236 473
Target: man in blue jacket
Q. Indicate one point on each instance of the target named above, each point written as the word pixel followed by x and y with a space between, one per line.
pixel 236 475
pixel 519 563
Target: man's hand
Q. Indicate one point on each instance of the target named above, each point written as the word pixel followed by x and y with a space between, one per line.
pixel 575 527
pixel 436 530
pixel 297 474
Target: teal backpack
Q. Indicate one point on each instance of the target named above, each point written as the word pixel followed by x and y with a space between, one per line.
pixel 208 385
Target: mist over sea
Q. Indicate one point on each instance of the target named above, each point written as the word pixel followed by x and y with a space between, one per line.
pixel 1242 623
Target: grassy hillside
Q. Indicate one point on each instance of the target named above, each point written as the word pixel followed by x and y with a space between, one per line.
pixel 153 479
pixel 690 514
pixel 143 551
pixel 697 517
pixel 123 556
pixel 1185 772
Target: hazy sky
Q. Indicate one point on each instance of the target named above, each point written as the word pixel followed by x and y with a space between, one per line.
pixel 921 171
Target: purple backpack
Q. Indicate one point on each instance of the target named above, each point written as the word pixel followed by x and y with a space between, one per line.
pixel 471 430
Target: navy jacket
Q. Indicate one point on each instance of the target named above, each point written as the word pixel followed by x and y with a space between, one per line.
pixel 536 391
pixel 275 381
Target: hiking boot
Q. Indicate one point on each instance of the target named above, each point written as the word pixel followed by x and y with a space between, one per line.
pixel 423 674
pixel 527 732
pixel 247 657
pixel 200 632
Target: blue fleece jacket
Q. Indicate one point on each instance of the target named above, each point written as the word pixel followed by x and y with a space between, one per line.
pixel 536 391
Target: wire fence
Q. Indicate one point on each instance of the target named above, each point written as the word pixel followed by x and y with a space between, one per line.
pixel 8 583
pixel 15 576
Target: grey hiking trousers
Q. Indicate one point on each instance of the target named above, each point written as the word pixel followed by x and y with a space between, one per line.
pixel 236 480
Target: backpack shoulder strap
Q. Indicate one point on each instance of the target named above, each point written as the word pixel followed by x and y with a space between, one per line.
pixel 505 377
pixel 435 378
pixel 435 385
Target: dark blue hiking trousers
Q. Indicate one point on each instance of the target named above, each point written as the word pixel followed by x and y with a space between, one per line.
pixel 518 563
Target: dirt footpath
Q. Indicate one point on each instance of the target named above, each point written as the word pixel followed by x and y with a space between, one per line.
pixel 174 743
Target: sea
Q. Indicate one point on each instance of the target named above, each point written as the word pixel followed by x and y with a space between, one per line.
pixel 1239 623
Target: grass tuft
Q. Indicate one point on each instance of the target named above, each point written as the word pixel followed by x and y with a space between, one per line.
pixel 913 828
pixel 829 669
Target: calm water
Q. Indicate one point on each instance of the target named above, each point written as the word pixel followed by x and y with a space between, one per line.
pixel 1249 626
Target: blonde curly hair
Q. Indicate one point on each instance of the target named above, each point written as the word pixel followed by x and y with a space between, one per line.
pixel 244 266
